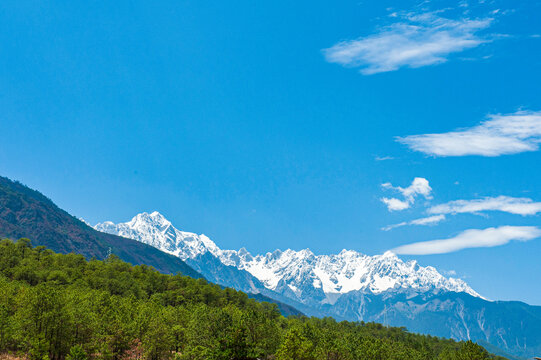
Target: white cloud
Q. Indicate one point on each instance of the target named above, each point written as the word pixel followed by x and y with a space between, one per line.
pixel 383 158
pixel 518 206
pixel 430 220
pixel 511 205
pixel 419 186
pixel 472 238
pixel 418 40
pixel 499 135
pixel 394 204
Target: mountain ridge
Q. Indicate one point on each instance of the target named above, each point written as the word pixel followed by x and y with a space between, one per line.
pixel 334 274
pixel 353 286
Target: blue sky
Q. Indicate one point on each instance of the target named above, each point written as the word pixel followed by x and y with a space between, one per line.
pixel 284 124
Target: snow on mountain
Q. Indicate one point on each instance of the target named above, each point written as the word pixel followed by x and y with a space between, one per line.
pixel 342 273
pixel 155 230
pixel 299 275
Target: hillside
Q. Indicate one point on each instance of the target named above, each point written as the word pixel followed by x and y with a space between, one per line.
pixel 55 305
pixel 26 213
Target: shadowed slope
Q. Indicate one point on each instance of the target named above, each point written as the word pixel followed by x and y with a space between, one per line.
pixel 26 213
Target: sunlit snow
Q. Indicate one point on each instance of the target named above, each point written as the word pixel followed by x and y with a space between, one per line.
pixel 301 272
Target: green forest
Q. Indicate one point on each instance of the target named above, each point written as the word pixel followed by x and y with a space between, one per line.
pixel 56 306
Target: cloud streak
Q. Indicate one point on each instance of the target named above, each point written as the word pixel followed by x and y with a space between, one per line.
pixel 383 158
pixel 499 135
pixel 472 238
pixel 418 40
pixel 419 186
pixel 517 206
pixel 430 220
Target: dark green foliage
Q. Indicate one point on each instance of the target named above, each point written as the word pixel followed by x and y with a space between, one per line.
pixel 472 351
pixel 76 353
pixel 64 307
pixel 285 309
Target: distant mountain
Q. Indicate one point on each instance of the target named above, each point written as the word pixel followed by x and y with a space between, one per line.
pixel 199 252
pixel 351 286
pixel 196 250
pixel 513 327
pixel 323 279
pixel 302 276
pixel 27 213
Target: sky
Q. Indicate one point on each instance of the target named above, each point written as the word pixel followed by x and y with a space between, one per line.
pixel 411 126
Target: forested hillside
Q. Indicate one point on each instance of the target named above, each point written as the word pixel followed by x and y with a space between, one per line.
pixel 26 213
pixel 56 306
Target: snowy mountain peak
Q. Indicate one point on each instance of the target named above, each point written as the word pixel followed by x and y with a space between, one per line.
pixel 389 254
pixel 300 275
pixel 303 272
pixel 152 219
pixel 154 229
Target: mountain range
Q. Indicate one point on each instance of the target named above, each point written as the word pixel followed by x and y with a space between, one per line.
pixel 347 286
pixel 350 286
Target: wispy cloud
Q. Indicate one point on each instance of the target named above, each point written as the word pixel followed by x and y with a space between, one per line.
pixel 472 238
pixel 512 205
pixel 508 204
pixel 383 158
pixel 499 135
pixel 415 41
pixel 430 220
pixel 419 186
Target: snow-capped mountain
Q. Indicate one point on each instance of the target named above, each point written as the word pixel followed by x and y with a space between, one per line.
pixel 198 251
pixel 299 275
pixel 350 286
pixel 154 229
pixel 348 271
